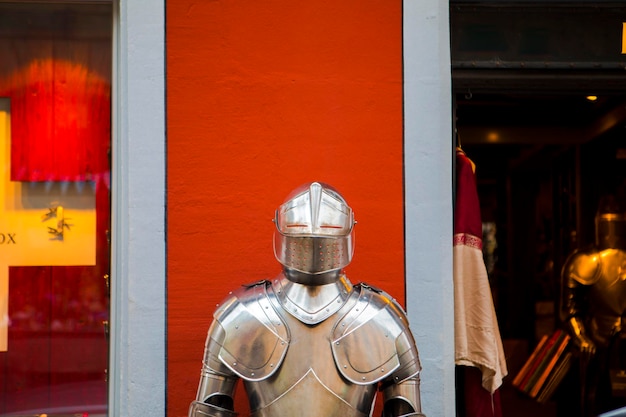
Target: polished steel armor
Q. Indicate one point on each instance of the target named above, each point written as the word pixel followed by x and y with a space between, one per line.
pixel 309 343
pixel 314 230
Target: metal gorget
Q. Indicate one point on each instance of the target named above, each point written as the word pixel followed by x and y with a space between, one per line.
pixel 312 304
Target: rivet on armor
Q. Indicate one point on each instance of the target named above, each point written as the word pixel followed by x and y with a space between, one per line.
pixel 363 378
pixel 271 365
pixel 382 369
pixel 337 343
pixel 234 363
pixel 252 374
pixel 345 366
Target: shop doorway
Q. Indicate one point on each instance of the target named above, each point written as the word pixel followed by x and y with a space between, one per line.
pixel 541 168
pixel 543 117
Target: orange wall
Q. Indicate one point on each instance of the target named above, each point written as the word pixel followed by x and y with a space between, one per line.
pixel 261 97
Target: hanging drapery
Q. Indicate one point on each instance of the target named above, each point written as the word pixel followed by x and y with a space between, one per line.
pixel 477 337
pixel 60 95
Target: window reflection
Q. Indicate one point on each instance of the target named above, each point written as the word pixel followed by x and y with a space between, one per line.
pixel 55 87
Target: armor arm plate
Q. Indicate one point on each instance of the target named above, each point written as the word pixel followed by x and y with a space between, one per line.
pixel 198 409
pixel 373 341
pixel 402 399
pixel 255 339
pixel 217 382
pixel 245 318
pixel 583 267
pixel 580 271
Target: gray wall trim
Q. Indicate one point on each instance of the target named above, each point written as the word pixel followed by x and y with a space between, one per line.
pixel 137 372
pixel 428 197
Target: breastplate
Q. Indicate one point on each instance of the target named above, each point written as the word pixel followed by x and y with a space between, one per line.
pixel 308 384
pixel 608 293
pixel 607 303
pixel 295 361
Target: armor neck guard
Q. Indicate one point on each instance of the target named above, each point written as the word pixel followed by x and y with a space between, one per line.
pixel 307 279
pixel 312 304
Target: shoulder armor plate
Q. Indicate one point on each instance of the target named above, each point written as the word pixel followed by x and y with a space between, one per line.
pixel 584 267
pixel 256 338
pixel 373 341
pixel 613 265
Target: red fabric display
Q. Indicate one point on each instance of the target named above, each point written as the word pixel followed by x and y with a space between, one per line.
pixel 60 110
pixel 479 354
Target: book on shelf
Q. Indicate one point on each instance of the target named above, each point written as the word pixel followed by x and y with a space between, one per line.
pixel 540 367
pixel 556 376
pixel 550 361
pixel 536 360
pixel 542 361
pixel 517 381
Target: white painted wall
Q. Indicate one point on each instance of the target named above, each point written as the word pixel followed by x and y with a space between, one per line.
pixel 428 198
pixel 138 311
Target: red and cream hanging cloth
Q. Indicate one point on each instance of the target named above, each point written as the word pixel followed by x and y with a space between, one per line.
pixel 477 336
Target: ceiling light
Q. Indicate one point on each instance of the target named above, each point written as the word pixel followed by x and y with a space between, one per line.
pixel 493 137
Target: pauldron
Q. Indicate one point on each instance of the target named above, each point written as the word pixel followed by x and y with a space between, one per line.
pixel 372 341
pixel 254 338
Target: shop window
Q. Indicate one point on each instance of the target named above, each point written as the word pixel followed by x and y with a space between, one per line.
pixel 55 141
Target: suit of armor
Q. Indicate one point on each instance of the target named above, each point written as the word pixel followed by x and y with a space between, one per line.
pixel 593 305
pixel 308 342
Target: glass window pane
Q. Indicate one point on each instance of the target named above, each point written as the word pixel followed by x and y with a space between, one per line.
pixel 55 141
